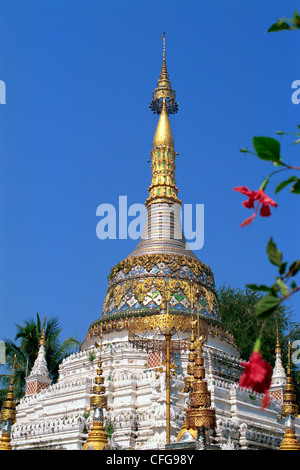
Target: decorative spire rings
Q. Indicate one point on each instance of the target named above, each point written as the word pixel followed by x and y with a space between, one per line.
pixel 163 91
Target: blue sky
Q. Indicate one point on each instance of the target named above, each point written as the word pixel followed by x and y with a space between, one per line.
pixel 76 132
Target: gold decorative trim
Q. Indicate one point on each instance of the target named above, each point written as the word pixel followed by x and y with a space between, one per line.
pixel 141 288
pixel 148 262
pixel 119 322
pixel 163 323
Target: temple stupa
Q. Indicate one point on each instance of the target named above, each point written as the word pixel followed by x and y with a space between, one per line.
pixel 146 323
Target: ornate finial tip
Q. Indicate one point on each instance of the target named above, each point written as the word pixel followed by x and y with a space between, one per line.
pixel 164 90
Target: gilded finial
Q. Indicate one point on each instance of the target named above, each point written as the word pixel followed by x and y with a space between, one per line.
pixel 97 438
pixel 189 378
pixel 163 37
pixel 289 409
pixel 164 89
pixel 289 366
pixel 163 134
pixel 8 414
pixel 200 416
pixel 289 405
pixel 278 348
pixel 163 184
pixel 42 340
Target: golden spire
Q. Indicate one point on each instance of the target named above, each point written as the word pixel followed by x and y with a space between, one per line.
pixel 278 348
pixel 97 438
pixel 163 185
pixel 163 135
pixel 164 89
pixel 189 379
pixel 42 340
pixel 289 405
pixel 8 414
pixel 289 409
pixel 200 416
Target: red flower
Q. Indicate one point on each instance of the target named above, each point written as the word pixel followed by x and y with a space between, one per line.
pixel 262 200
pixel 257 375
pixel 248 221
pixel 265 211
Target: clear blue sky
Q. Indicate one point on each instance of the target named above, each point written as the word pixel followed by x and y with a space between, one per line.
pixel 76 132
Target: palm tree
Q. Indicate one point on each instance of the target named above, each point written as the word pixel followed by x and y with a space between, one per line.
pixel 26 352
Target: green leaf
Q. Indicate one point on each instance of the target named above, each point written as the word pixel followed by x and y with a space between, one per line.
pixel 266 306
pixel 284 290
pixel 296 19
pixel 282 268
pixel 275 255
pixel 296 187
pixel 280 25
pixel 274 289
pixel 293 267
pixel 267 148
pixel 293 285
pixel 283 184
pixel 259 288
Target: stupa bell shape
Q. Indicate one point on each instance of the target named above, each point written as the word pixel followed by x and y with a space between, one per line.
pixel 162 260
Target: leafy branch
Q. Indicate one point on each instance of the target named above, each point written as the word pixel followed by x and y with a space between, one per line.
pixel 286 23
pixel 280 290
pixel 269 149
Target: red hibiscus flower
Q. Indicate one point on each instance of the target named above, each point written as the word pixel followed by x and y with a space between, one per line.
pixel 257 376
pixel 263 201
